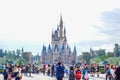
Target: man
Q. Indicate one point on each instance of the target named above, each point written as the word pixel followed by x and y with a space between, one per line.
pixel 52 70
pixel 117 73
pixel 59 71
pixel 107 71
pixel 44 69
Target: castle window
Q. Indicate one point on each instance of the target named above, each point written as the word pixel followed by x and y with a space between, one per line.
pixel 63 47
pixel 56 48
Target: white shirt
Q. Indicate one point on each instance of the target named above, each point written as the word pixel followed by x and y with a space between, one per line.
pixel 112 72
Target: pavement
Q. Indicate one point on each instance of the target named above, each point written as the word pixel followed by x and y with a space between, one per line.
pixel 43 77
pixel 34 77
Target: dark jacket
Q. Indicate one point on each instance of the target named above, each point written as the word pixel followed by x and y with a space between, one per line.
pixel 59 72
pixel 117 73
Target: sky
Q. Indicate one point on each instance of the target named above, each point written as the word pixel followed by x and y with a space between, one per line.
pixel 89 23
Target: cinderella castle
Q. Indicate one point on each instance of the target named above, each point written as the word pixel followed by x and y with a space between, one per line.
pixel 59 50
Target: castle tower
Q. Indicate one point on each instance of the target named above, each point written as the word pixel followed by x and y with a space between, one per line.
pixel 61 27
pixel 74 55
pixel 58 49
pixel 64 32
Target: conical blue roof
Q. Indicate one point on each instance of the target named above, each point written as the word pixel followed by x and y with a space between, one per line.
pixel 74 51
pixel 49 47
pixel 44 49
pixel 56 48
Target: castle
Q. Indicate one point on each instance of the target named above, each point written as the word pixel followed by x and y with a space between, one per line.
pixel 59 50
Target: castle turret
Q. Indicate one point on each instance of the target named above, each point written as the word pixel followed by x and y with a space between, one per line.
pixel 61 27
pixel 49 49
pixel 74 50
pixel 44 49
pixel 44 54
pixel 74 55
pixel 52 34
pixel 64 32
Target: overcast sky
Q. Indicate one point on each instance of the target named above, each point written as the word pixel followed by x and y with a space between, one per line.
pixel 89 23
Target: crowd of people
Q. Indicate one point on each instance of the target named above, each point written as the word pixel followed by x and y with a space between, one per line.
pixel 59 70
pixel 112 72
pixel 17 71
pixel 12 72
pixel 81 72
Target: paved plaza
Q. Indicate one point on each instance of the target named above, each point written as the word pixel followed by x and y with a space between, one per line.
pixel 42 77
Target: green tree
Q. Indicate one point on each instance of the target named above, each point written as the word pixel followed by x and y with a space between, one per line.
pixel 21 61
pixel 25 56
pixel 86 57
pixel 113 60
pixel 104 57
pixel 110 54
pixel 96 60
pixel 100 52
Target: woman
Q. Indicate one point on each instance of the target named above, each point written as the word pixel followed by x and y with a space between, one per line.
pixel 85 75
pixel 92 70
pixel 112 72
pixel 71 73
pixel 97 70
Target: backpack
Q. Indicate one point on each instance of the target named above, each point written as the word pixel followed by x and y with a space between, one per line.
pixel 71 75
pixel 78 74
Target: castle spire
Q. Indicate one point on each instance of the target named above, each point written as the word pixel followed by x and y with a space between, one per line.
pixel 74 51
pixel 61 21
pixel 61 26
pixel 64 32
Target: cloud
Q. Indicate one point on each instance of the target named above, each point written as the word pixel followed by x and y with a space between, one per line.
pixel 111 23
pixel 107 33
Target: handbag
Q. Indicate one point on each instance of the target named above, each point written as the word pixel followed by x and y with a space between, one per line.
pixel 86 75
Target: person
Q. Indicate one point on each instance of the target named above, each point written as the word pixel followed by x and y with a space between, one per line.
pixel 114 68
pixel 15 70
pixel 117 73
pixel 10 69
pixel 97 70
pixel 33 68
pixel 92 70
pixel 26 70
pixel 18 73
pixel 48 70
pixel 44 69
pixel 29 70
pixel 112 73
pixel 107 71
pixel 85 75
pixel 52 70
pixel 71 73
pixel 9 76
pixel 59 71
pixel 78 73
pixel 5 74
